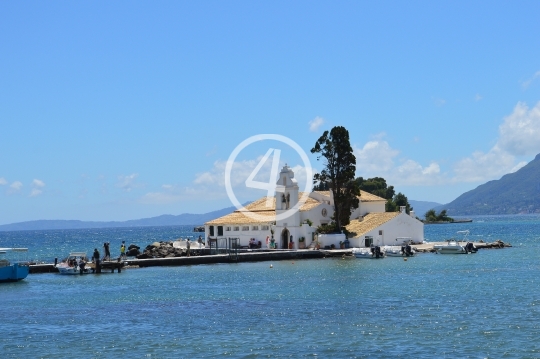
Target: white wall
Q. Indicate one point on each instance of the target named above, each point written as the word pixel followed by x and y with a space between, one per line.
pixel 329 239
pixel 401 226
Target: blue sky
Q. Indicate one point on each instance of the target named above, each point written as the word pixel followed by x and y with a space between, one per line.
pixel 130 109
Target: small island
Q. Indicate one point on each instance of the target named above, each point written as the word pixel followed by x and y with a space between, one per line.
pixel 431 217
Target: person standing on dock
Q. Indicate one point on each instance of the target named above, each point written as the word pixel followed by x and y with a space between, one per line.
pixel 123 250
pixel 107 256
pixel 188 247
pixel 95 256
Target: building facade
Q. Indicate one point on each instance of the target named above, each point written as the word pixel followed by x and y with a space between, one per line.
pixel 263 220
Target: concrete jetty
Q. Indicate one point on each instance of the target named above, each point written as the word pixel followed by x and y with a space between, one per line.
pixel 248 256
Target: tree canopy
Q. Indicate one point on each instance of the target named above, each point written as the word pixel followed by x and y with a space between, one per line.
pixel 338 173
pixel 378 187
pixel 432 216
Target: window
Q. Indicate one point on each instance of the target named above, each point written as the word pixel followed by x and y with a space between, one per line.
pixel 236 228
pixel 255 228
pixel 227 229
pixel 211 230
pixel 380 232
pixel 245 228
pixel 220 230
pixel 265 228
pixel 368 241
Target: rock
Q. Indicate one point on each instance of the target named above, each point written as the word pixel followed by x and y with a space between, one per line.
pixel 134 252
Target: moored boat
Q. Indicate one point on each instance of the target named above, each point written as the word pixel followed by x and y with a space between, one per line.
pixel 12 272
pixel 399 251
pixel 75 263
pixel 454 246
pixel 369 253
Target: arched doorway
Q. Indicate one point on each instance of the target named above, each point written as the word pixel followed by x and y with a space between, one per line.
pixel 285 239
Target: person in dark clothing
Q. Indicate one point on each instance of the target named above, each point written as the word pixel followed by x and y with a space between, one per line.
pixel 96 256
pixel 107 256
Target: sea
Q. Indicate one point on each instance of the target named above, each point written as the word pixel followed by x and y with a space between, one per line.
pixel 483 305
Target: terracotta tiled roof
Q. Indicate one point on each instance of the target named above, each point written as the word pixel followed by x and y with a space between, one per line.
pixel 370 222
pixel 368 197
pixel 240 218
pixel 263 213
pixel 364 196
pixel 324 193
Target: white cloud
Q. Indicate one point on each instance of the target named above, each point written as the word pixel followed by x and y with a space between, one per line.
pixel 38 183
pixel 37 186
pixel 14 187
pixel 525 84
pixel 3 181
pixel 35 192
pixel 520 131
pixel 375 156
pixel 481 167
pixel 378 159
pixel 315 124
pixel 127 183
pixel 211 184
pixel 478 97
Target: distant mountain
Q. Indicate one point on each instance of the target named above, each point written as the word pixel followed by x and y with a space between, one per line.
pixel 421 207
pixel 163 220
pixel 514 193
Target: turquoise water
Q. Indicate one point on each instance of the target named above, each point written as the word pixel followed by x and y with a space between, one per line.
pixel 484 305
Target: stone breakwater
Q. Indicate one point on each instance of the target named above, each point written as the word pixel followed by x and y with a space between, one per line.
pixel 428 247
pixel 170 249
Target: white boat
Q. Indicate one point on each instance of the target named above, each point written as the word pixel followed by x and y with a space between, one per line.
pixel 75 263
pixel 369 253
pixel 454 246
pixel 399 251
pixel 12 271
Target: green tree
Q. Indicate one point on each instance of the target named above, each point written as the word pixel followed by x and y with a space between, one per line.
pixel 338 172
pixel 376 186
pixel 321 186
pixel 401 200
pixel 430 216
pixel 444 217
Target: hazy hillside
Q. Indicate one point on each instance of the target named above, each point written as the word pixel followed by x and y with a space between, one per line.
pixel 514 193
pixel 163 220
pixel 421 207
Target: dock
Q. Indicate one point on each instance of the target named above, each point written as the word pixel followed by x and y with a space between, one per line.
pixel 105 267
pixel 243 255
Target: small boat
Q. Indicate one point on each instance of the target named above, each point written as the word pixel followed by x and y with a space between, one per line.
pixel 12 272
pixel 75 263
pixel 399 251
pixel 369 253
pixel 453 246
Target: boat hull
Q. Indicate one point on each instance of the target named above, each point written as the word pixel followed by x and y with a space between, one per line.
pixel 450 249
pixel 367 255
pixel 14 272
pixel 71 270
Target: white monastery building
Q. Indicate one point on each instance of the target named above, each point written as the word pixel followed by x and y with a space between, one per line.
pixel 370 224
